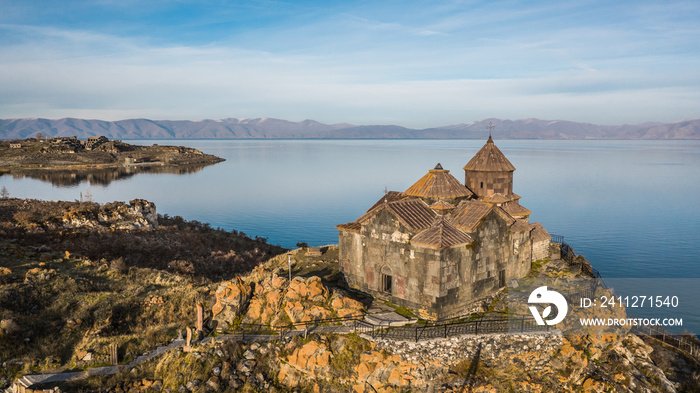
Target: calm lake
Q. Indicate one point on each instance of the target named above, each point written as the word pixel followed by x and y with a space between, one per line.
pixel 631 207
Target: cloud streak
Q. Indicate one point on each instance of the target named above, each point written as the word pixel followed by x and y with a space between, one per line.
pixel 359 64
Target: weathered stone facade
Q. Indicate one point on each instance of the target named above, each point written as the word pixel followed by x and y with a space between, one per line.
pixel 439 247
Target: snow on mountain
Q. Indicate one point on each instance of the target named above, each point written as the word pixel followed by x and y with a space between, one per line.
pixel 265 127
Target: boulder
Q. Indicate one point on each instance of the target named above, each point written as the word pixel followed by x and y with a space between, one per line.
pixel 312 357
pixel 138 214
pixel 277 281
pixel 273 297
pixel 232 300
pixel 270 299
pixel 315 290
pixel 316 314
pixel 345 307
pixel 287 376
pixel 297 288
pixel 295 311
pixel 255 309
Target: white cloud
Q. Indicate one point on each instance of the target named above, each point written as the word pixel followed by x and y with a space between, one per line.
pixel 428 80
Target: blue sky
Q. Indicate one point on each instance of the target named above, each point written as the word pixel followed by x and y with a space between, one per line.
pixel 412 63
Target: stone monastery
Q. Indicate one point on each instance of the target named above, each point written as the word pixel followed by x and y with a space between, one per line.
pixel 441 246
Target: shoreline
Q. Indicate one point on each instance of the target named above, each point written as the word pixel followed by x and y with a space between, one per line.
pixel 99 153
pixel 9 169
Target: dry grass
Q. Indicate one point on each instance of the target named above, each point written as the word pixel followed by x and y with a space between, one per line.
pixel 66 292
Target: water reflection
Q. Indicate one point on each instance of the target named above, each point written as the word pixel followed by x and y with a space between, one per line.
pixel 101 176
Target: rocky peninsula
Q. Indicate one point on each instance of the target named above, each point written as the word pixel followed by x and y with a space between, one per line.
pixel 70 153
pixel 128 300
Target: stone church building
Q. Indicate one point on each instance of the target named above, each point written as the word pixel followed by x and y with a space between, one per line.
pixel 440 246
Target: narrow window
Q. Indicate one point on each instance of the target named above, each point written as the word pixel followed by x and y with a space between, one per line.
pixel 482 184
pixel 386 283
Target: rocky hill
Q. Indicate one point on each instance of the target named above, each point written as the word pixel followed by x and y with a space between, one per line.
pixel 75 281
pixel 76 277
pixel 267 128
pixel 328 362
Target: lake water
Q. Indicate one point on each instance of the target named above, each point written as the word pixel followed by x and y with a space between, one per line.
pixel 631 207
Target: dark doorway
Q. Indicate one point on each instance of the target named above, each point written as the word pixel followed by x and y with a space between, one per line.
pixel 502 279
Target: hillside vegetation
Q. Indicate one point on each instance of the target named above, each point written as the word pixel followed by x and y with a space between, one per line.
pixel 76 277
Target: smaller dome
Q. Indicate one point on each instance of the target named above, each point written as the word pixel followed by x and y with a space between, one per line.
pixel 438 183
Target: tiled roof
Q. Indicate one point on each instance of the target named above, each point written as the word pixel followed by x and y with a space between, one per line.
pixel 413 213
pixel 350 226
pixel 495 198
pixel 442 234
pixel 442 205
pixel 468 214
pixel 505 216
pixel 514 209
pixel 438 183
pixel 489 159
pixel 538 233
pixel 520 226
pixel 389 197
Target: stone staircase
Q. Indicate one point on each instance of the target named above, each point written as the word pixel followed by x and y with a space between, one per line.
pixel 24 384
pixel 157 352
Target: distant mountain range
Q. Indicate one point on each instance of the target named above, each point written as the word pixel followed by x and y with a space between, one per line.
pixel 267 128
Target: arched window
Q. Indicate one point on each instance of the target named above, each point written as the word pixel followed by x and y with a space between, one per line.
pixel 387 280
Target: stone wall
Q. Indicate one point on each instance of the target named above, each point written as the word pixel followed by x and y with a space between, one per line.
pixel 489 183
pixel 383 248
pixel 493 346
pixel 540 250
pixel 484 267
pixel 436 284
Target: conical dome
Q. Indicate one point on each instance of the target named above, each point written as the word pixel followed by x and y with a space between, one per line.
pixel 489 172
pixel 489 159
pixel 438 183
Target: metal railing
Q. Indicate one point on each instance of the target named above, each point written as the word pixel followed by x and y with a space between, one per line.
pixel 570 257
pixel 281 330
pixel 686 343
pixel 484 325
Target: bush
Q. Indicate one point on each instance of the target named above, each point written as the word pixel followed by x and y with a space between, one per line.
pixel 118 265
